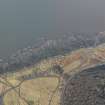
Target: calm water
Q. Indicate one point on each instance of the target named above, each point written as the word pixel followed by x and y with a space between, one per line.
pixel 23 21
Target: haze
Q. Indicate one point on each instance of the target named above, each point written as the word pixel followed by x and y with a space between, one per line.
pixel 23 21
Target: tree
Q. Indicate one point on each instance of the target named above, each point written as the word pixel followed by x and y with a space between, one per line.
pixel 57 69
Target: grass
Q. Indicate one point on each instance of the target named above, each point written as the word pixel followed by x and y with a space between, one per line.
pixel 39 91
pixel 35 90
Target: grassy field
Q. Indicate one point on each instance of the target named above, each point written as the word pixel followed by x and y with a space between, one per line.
pixel 33 92
pixel 44 90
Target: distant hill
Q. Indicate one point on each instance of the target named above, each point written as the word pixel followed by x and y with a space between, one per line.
pixel 39 84
pixel 46 47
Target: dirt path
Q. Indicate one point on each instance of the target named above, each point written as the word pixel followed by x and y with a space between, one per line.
pixel 1 100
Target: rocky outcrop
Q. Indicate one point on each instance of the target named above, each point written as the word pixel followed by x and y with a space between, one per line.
pixel 85 88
